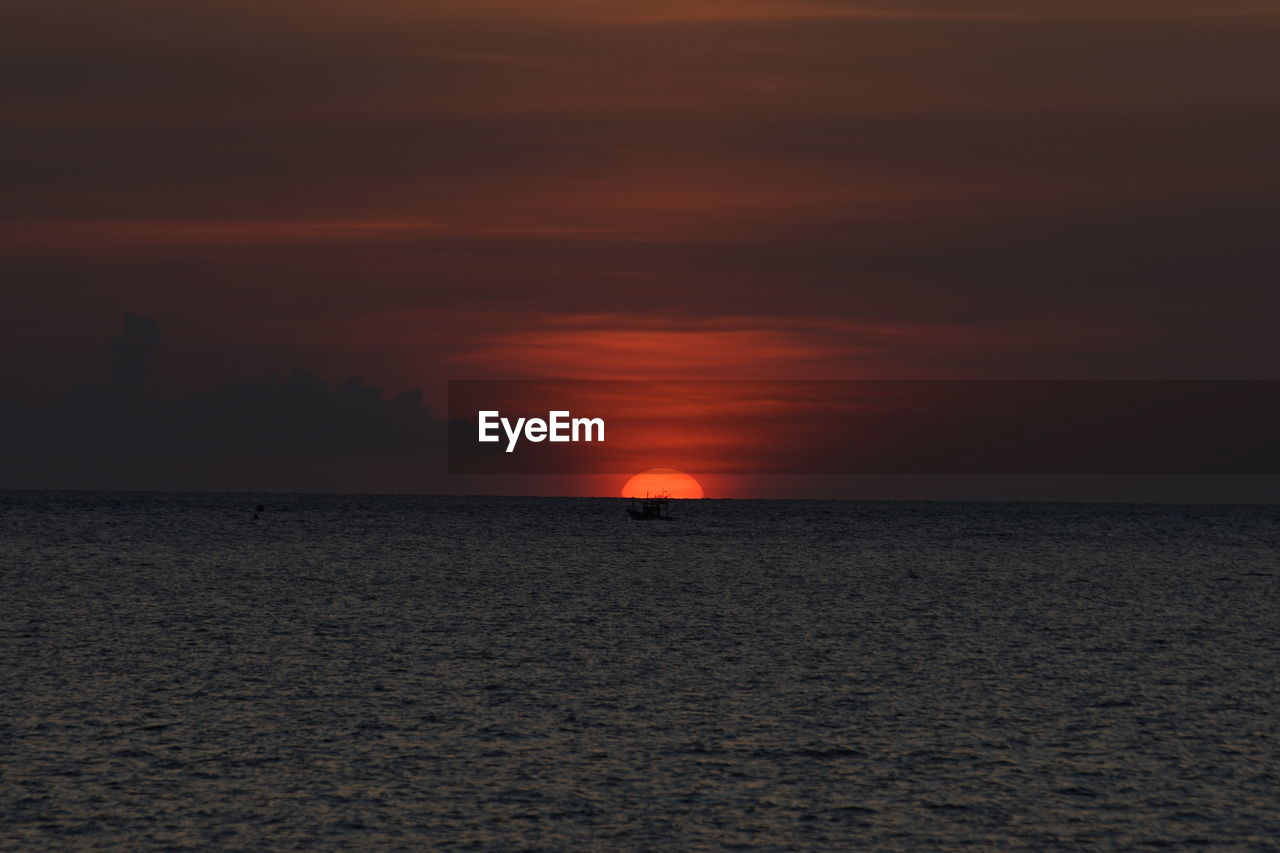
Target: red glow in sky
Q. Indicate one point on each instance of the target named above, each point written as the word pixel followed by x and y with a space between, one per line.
pixel 409 193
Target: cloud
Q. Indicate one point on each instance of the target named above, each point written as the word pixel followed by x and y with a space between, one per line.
pixel 644 346
pixel 263 432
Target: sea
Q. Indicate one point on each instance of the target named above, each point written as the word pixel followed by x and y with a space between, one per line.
pixel 191 672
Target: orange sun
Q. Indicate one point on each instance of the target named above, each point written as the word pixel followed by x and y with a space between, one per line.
pixel 658 481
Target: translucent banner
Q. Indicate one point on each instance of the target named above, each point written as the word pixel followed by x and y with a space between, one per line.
pixel 865 427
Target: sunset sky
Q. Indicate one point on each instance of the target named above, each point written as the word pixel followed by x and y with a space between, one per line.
pixel 412 192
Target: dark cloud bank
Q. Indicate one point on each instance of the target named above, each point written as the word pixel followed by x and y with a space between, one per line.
pixel 264 433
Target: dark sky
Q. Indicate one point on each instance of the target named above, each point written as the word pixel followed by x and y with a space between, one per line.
pixel 410 192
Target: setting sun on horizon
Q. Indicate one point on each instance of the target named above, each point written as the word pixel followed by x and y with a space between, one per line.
pixel 670 482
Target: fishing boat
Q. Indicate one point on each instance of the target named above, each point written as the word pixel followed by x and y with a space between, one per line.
pixel 650 508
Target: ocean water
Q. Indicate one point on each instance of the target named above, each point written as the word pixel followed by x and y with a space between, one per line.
pixel 546 674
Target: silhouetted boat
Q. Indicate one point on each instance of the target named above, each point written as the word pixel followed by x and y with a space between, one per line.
pixel 650 509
